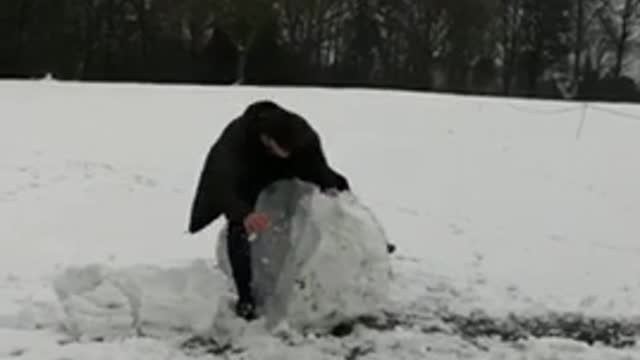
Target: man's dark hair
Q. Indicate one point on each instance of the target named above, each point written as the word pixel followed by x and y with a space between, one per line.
pixel 288 129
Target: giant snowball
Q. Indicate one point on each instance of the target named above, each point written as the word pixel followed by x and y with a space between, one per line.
pixel 322 261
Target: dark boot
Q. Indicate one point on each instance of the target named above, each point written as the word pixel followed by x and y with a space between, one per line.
pixel 246 309
pixel 239 252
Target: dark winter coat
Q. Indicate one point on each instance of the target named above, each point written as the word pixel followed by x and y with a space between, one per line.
pixel 238 166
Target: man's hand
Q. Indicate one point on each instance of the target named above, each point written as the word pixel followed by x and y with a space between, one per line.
pixel 333 192
pixel 336 186
pixel 256 221
pixel 342 184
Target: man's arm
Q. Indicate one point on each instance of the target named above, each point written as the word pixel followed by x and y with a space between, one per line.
pixel 216 193
pixel 312 166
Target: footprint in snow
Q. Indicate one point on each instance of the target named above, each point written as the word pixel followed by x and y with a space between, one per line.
pixel 588 301
pixel 456 229
pixel 408 211
pixel 145 181
pixel 480 279
pixel 512 289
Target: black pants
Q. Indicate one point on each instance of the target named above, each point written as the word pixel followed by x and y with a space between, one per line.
pixel 239 252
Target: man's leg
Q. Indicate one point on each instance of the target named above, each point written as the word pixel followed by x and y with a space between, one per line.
pixel 239 252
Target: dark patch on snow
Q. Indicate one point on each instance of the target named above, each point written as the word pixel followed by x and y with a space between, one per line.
pixel 342 330
pixel 469 327
pixel 64 342
pixel 358 352
pixel 113 306
pixel 17 352
pixel 609 332
pixel 208 345
pixel 384 322
pixel 301 284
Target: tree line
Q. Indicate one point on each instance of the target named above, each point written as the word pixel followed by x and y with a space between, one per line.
pixel 579 49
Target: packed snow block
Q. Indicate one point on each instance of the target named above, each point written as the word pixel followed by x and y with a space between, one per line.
pixel 94 303
pixel 323 260
pixel 177 300
pixel 100 302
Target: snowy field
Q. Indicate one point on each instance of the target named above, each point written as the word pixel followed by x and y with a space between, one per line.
pixel 517 225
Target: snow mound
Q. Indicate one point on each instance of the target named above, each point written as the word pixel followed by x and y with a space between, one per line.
pixel 322 261
pixel 105 303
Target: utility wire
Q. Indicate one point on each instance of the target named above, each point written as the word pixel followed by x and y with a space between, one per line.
pixel 545 111
pixel 616 112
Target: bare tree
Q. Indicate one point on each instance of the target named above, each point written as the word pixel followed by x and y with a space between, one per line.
pixel 312 28
pixel 242 20
pixel 142 10
pixel 619 20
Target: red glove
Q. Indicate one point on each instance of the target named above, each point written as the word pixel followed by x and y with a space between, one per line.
pixel 256 221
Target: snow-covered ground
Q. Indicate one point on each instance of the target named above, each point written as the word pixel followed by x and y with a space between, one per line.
pixel 501 213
